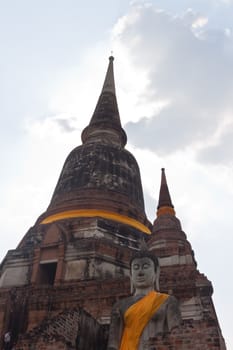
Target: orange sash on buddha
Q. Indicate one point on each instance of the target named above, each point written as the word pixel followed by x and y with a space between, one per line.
pixel 137 316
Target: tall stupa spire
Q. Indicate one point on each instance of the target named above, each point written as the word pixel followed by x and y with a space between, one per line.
pixel 105 125
pixel 109 82
pixel 165 205
pixel 101 178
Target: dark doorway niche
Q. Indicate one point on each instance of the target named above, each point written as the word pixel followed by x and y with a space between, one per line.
pixel 47 273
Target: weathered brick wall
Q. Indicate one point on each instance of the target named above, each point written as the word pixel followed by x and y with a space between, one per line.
pixel 72 329
pixel 191 335
pixel 46 328
pixel 96 297
pixel 45 305
pixel 53 344
pixel 63 327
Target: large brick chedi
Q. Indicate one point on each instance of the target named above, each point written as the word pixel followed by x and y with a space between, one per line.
pixel 57 288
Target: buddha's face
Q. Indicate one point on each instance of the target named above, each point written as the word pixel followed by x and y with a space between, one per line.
pixel 143 273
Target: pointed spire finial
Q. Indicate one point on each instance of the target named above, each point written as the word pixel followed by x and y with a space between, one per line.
pixel 109 82
pixel 105 124
pixel 165 205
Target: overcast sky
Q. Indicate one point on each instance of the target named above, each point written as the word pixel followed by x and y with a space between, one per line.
pixel 174 78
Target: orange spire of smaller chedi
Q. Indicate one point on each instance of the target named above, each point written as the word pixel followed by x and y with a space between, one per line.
pixel 165 205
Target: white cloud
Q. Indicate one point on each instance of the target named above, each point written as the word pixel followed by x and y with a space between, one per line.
pixel 200 22
pixel 228 32
pixel 193 78
pixel 228 2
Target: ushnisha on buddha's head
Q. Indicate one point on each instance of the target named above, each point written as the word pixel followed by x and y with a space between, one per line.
pixel 144 272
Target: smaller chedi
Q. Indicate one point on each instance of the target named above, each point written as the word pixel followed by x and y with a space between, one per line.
pixel 145 314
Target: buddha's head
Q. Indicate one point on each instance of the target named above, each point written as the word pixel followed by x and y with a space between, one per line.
pixel 144 270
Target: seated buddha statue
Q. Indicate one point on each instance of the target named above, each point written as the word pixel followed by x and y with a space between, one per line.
pixel 145 314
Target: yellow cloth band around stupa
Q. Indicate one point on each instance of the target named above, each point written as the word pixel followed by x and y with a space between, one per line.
pixel 94 213
pixel 166 210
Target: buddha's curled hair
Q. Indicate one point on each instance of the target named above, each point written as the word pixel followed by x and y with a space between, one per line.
pixel 144 252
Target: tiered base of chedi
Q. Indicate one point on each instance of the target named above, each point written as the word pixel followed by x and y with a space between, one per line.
pixel 59 286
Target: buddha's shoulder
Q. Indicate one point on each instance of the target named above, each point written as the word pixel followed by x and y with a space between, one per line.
pixel 171 300
pixel 125 303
